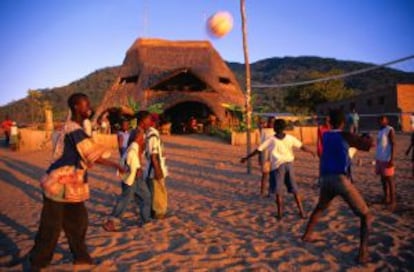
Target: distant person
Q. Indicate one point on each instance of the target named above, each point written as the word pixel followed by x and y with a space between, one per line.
pixel 134 187
pixel 156 169
pixel 385 161
pixel 192 125
pixel 266 132
pixel 14 137
pixel 355 121
pixel 65 189
pixel 411 149
pixel 281 147
pixel 6 126
pixel 123 137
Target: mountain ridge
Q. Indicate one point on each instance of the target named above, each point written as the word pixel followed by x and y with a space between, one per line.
pixel 273 70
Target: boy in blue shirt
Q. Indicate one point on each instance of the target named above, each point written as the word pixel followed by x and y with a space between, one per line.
pixel 335 180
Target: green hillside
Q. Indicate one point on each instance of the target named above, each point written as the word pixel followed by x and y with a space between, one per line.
pixel 268 71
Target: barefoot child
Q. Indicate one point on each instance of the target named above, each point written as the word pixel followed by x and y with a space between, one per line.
pixel 133 185
pixel 281 147
pixel 385 161
pixel 335 181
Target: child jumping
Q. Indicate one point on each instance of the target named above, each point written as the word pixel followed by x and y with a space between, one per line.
pixel 335 162
pixel 280 147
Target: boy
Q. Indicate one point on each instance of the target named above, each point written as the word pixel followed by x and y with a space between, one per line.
pixel 123 137
pixel 411 148
pixel 385 161
pixel 133 185
pixel 156 169
pixel 65 189
pixel 280 147
pixel 264 159
pixel 335 163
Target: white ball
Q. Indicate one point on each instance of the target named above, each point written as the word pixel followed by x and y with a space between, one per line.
pixel 220 24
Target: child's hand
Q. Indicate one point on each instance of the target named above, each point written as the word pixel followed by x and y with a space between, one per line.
pixel 122 170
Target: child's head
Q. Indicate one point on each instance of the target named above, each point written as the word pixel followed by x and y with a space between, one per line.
pixel 279 125
pixel 270 122
pixel 137 136
pixel 79 105
pixel 383 121
pixel 144 119
pixel 337 119
pixel 124 125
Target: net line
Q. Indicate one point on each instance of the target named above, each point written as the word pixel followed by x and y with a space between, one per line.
pixel 334 77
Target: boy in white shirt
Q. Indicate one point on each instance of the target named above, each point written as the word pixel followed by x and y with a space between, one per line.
pixel 385 161
pixel 133 185
pixel 281 147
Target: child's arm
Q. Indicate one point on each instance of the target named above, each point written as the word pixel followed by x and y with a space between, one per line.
pixel 254 153
pixel 408 150
pixel 391 137
pixel 307 150
pixel 108 163
pixel 157 167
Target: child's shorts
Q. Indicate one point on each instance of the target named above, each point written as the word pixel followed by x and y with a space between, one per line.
pixel 284 174
pixel 381 168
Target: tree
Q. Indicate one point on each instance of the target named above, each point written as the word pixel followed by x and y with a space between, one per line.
pixel 35 104
pixel 304 99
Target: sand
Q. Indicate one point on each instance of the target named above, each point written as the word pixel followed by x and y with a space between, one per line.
pixel 217 222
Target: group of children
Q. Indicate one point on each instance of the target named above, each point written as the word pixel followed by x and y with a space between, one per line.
pixel 145 186
pixel 333 149
pixel 65 184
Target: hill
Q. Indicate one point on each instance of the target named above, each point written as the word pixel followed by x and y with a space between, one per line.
pixel 268 71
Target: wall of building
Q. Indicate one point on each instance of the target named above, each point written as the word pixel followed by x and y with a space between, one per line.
pixel 405 98
pixel 399 100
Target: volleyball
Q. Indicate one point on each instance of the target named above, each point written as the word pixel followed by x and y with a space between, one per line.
pixel 220 24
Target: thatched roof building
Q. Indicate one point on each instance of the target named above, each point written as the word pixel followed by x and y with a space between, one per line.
pixel 188 77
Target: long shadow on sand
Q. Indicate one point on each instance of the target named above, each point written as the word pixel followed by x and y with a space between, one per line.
pixel 31 191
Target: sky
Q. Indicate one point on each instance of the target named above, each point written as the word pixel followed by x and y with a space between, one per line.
pixel 50 43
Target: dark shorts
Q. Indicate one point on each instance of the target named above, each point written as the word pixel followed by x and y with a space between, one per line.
pixel 284 175
pixel 334 185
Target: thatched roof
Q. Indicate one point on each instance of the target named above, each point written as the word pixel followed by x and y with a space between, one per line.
pixel 149 62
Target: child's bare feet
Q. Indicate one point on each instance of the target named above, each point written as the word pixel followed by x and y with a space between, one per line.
pixel 392 207
pixel 309 237
pixel 362 258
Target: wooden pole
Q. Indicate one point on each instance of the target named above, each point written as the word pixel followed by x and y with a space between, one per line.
pixel 248 83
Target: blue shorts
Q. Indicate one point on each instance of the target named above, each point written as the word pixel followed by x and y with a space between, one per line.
pixel 284 174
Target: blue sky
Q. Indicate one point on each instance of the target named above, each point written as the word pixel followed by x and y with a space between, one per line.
pixel 48 43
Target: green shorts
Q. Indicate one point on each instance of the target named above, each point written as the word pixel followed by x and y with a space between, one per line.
pixel 334 185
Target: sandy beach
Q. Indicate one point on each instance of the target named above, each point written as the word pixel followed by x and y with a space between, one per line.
pixel 218 220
